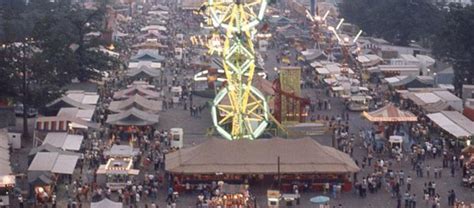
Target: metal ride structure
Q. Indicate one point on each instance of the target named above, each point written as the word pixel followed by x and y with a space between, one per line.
pixel 289 105
pixel 345 43
pixel 317 22
pixel 239 110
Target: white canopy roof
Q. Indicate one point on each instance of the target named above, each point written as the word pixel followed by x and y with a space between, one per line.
pixel 427 97
pixel 54 162
pixel 323 71
pixel 65 164
pixel 89 98
pixel 106 203
pixel 5 167
pixel 133 117
pixel 395 139
pixel 315 64
pixel 64 141
pixel 121 150
pixel 84 114
pixel 453 122
pixel 153 27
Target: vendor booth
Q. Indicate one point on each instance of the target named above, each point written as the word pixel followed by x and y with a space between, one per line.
pixel 390 113
pixel 136 89
pixel 386 119
pixel 454 123
pixel 117 173
pixel 176 138
pixel 64 140
pixel 132 117
pixel 136 101
pixel 303 162
pixel 7 180
pixel 106 203
pixel 176 92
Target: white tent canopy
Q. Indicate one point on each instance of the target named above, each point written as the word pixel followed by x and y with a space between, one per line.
pixel 64 140
pixel 454 123
pixel 153 27
pixel 133 116
pixel 106 203
pixel 121 151
pixel 84 114
pixel 54 162
pixel 5 167
pixel 89 98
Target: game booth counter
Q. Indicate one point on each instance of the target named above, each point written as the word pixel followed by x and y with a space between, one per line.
pixel 229 195
pixel 301 162
pixel 119 170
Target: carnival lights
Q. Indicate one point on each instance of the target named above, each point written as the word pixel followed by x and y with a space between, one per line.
pixel 238 104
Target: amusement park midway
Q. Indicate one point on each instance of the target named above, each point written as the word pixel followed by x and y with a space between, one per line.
pixel 247 104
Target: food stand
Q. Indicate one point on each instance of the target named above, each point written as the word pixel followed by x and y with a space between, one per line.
pixel 7 182
pixel 358 103
pixel 230 196
pixel 273 197
pixel 304 163
pixel 395 141
pixel 176 138
pixel 117 173
pixel 176 92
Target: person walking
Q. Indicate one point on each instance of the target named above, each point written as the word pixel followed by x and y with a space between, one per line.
pixel 408 183
pixel 428 169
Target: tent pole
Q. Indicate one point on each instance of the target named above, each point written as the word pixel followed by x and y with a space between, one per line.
pixel 279 178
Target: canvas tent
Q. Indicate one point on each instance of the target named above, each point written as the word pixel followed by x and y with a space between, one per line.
pixel 389 113
pixel 410 81
pixel 149 44
pixel 191 4
pixel 136 101
pixel 138 64
pixel 5 168
pixel 88 98
pixel 428 101
pixel 134 90
pixel 147 55
pixel 50 148
pixel 84 114
pixel 64 140
pixel 132 117
pixel 369 60
pixel 153 28
pixel 454 123
pixel 61 123
pixel 143 72
pixel 121 151
pixel 106 203
pixel 152 35
pixel 51 162
pixel 142 84
pixel 67 102
pixel 259 157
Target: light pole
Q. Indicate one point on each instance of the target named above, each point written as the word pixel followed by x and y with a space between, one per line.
pixel 25 85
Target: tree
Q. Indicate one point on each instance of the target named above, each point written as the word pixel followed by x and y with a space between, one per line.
pixel 44 46
pixel 398 21
pixel 454 43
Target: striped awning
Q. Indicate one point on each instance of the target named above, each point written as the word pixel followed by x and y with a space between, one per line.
pixel 389 113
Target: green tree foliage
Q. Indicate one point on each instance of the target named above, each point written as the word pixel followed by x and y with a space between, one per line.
pixel 398 21
pixel 49 43
pixel 60 32
pixel 454 43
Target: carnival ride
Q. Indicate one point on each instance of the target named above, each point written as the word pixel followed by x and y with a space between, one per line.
pixel 289 105
pixel 239 110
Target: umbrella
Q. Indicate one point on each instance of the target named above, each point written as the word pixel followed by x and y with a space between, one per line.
pixel 319 199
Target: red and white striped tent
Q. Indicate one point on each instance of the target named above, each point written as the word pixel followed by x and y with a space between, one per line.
pixel 390 113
